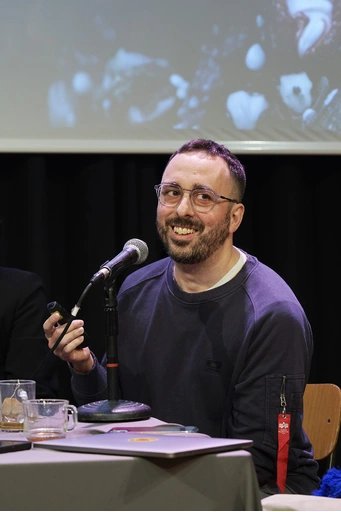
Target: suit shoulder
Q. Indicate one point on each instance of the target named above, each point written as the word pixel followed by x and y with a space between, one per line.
pixel 15 278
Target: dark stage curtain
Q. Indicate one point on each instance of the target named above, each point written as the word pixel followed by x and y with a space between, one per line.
pixel 63 215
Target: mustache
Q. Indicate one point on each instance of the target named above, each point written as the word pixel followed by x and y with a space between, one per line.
pixel 179 222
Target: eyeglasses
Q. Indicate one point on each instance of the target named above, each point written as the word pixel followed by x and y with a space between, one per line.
pixel 203 199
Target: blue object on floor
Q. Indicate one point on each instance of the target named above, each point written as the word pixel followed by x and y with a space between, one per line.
pixel 330 484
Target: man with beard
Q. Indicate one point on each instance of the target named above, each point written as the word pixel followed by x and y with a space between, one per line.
pixel 209 336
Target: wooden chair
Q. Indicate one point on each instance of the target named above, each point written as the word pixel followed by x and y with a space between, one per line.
pixel 321 419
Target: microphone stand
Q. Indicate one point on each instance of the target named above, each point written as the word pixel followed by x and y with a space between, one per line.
pixel 112 409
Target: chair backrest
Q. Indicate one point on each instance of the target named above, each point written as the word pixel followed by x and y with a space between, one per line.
pixel 321 418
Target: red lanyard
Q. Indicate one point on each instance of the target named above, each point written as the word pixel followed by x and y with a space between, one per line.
pixel 283 449
pixel 283 436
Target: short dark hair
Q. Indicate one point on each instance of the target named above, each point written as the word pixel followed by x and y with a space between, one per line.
pixel 214 149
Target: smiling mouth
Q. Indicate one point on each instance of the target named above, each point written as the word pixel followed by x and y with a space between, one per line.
pixel 183 231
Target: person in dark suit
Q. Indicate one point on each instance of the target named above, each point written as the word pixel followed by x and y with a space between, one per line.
pixel 22 342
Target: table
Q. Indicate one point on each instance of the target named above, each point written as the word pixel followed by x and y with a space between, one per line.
pixel 41 479
pixel 300 502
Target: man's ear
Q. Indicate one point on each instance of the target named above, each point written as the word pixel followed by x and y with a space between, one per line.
pixel 236 217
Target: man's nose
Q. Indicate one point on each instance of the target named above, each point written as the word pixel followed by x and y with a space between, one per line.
pixel 185 206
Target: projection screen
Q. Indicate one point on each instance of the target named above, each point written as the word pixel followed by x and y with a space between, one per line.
pixel 147 75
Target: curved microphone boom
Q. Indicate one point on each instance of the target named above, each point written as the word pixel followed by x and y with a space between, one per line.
pixel 134 252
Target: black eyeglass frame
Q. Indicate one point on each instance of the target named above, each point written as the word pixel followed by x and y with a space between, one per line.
pixel 216 196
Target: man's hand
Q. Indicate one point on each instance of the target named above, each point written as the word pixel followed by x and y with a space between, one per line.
pixel 81 359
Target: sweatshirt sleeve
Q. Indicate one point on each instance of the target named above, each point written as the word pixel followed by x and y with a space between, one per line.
pixel 277 363
pixel 89 387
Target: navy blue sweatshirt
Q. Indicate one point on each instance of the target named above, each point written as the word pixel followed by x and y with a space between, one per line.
pixel 217 359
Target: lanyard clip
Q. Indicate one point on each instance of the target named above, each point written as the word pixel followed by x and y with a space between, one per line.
pixel 282 397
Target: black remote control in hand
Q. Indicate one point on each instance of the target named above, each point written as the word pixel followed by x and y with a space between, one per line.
pixel 54 307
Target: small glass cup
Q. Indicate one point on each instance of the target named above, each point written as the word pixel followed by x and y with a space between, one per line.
pixel 48 418
pixel 12 393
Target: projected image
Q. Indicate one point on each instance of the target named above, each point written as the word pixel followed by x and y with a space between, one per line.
pixel 147 70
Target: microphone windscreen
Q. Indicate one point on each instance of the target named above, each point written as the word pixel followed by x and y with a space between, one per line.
pixel 141 247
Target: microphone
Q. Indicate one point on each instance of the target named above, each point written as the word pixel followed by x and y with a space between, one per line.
pixel 113 409
pixel 134 252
